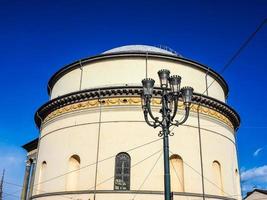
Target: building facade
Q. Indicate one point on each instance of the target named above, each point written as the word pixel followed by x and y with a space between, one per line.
pixel 256 194
pixel 95 144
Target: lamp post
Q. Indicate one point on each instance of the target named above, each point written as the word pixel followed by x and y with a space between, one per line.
pixel 170 94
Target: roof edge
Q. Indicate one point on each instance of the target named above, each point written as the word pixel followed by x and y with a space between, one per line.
pixel 96 93
pixel 31 145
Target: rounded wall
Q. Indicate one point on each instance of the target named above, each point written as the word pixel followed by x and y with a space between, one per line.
pixel 121 128
pixel 123 71
pixel 95 114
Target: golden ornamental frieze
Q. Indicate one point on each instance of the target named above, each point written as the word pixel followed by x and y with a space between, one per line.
pixel 132 101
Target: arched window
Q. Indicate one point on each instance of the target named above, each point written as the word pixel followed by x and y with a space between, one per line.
pixel 42 177
pixel 122 172
pixel 73 175
pixel 177 173
pixel 217 177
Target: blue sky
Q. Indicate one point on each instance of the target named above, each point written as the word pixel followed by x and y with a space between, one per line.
pixel 39 37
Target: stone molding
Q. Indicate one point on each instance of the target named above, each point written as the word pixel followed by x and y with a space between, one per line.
pixel 129 96
pixel 141 192
pixel 135 101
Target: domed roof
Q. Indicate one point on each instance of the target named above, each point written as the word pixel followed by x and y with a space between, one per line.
pixel 141 49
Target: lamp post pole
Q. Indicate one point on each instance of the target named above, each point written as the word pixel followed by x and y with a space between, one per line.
pixel 169 106
pixel 166 131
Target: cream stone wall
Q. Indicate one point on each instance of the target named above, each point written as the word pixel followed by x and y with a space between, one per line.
pixel 130 71
pixel 70 82
pixel 123 128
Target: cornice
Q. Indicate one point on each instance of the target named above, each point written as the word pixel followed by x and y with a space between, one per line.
pixel 141 192
pixel 90 97
pixel 31 145
pixel 92 59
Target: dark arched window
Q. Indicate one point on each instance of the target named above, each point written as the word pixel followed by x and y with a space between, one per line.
pixel 122 172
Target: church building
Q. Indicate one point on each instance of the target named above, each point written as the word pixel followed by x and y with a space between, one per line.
pixel 94 143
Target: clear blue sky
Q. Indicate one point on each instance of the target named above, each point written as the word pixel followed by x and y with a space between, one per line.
pixel 39 37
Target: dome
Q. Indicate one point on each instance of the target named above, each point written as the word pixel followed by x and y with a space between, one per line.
pixel 142 49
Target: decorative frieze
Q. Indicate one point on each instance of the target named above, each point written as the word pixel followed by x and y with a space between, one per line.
pixel 129 96
pixel 128 101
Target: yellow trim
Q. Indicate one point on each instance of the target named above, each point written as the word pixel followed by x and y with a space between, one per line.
pixel 132 101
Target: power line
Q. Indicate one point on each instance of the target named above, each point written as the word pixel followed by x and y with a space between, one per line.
pixel 1 185
pixel 9 194
pixel 150 171
pixel 242 47
pixel 200 154
pixel 177 176
pixel 91 164
pixel 235 56
pixel 14 184
pixel 98 143
pixel 134 165
pixel 228 195
pixel 202 175
pixel 238 52
pixel 53 178
pixel 249 39
pixel 139 146
pixel 151 155
pixel 229 62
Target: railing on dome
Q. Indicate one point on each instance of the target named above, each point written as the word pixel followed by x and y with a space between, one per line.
pixel 166 48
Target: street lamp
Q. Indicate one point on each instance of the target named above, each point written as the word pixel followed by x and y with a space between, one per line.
pixel 170 94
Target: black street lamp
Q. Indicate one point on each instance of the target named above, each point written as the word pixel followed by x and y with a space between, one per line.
pixel 170 94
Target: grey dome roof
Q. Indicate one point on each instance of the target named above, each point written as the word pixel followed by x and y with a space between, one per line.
pixel 142 49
